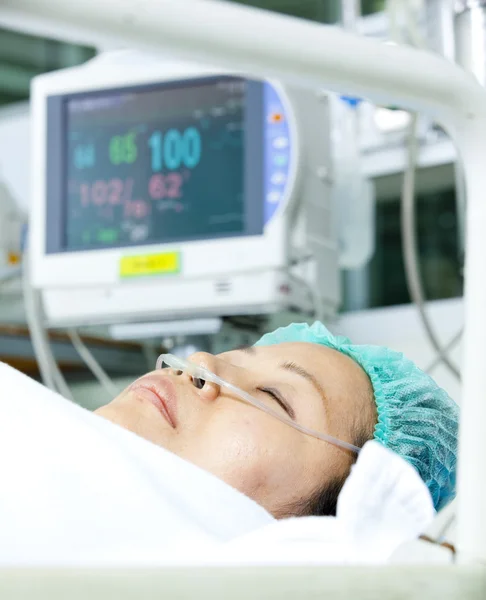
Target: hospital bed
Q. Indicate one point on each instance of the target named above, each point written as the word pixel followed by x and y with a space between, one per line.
pixel 307 55
pixel 308 583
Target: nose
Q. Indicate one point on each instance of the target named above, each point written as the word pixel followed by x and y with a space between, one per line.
pixel 207 390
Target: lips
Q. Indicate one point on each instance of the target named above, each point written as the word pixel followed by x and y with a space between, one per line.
pixel 160 391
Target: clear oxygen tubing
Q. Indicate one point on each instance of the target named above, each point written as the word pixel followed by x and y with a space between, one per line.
pixel 201 372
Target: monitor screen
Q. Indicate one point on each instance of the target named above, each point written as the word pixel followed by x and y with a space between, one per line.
pixel 163 163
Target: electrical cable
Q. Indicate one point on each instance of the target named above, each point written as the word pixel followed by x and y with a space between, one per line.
pixel 407 220
pixel 447 348
pixel 409 246
pixel 50 373
pixel 10 274
pixel 31 302
pixel 318 305
pixel 92 364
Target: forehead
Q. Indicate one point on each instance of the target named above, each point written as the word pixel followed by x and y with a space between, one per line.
pixel 340 376
pixel 313 357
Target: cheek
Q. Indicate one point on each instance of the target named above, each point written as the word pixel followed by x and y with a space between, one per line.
pixel 252 452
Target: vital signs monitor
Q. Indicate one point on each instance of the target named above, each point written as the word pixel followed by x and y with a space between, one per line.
pixel 164 190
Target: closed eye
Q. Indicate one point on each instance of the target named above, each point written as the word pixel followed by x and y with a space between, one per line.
pixel 278 398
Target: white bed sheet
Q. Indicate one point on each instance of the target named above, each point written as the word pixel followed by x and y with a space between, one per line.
pixel 77 490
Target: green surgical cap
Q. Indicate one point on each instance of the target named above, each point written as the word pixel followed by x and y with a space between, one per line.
pixel 416 418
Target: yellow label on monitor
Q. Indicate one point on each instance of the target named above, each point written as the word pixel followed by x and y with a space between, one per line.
pixel 141 265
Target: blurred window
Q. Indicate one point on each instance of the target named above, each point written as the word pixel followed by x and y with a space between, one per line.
pixel 23 56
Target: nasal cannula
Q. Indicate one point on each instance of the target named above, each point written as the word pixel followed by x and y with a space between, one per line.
pixel 200 372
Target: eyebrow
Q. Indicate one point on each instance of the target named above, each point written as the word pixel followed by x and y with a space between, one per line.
pixel 298 370
pixel 293 367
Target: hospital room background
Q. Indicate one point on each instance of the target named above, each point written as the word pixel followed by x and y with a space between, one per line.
pixel 374 273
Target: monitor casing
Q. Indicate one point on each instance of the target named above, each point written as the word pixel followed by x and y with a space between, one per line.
pixel 292 266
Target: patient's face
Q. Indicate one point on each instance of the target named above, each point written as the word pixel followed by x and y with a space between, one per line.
pixel 252 451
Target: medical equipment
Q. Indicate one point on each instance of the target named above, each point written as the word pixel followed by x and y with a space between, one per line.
pixel 166 190
pixel 201 372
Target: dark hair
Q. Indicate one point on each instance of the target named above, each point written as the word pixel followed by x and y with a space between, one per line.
pixel 323 502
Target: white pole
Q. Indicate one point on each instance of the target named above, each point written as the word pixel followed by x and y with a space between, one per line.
pixel 263 44
pixel 471 483
pixel 350 14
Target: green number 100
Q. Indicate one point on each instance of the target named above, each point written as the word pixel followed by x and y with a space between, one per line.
pixel 174 149
pixel 123 149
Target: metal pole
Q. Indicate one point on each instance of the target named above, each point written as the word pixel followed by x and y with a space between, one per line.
pixel 470 37
pixel 350 13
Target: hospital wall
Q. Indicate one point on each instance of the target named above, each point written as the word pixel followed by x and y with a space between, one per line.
pixel 399 328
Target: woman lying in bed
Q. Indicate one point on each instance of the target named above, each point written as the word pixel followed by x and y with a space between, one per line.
pixel 205 467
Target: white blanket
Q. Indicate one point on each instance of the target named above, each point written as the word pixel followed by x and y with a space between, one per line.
pixel 76 489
